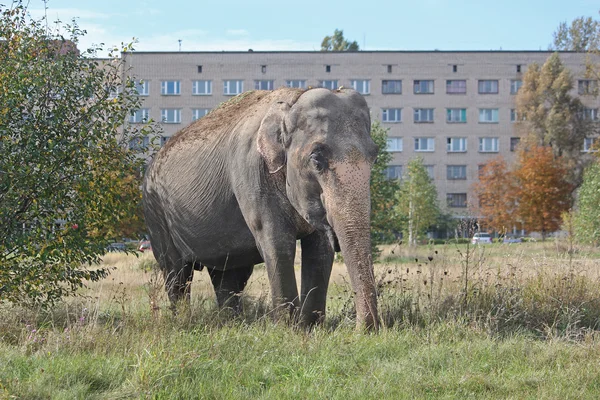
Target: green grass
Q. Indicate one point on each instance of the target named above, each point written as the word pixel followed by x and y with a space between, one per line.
pixel 518 322
pixel 273 362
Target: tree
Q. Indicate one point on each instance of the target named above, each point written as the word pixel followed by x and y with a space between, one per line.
pixel 383 190
pixel 68 181
pixel 583 35
pixel 496 191
pixel 417 201
pixel 543 191
pixel 550 116
pixel 337 42
pixel 586 220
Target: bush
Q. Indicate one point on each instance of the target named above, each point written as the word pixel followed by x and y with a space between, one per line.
pixel 69 183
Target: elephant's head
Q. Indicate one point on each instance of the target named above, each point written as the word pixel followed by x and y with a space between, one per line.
pixel 323 141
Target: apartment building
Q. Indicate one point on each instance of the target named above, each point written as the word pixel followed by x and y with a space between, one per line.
pixel 455 109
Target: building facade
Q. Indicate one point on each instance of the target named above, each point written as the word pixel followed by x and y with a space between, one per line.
pixel 455 109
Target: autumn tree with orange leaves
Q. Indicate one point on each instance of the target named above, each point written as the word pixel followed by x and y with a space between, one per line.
pixel 496 192
pixel 543 190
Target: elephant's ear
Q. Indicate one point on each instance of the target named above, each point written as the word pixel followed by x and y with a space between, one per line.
pixel 271 136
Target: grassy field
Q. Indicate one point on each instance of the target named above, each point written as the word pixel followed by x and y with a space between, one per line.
pixel 499 321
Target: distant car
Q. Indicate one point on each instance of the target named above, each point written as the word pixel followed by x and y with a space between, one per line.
pixel 145 245
pixel 511 239
pixel 116 247
pixel 481 238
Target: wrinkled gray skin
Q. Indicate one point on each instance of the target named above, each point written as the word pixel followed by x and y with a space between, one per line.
pixel 241 185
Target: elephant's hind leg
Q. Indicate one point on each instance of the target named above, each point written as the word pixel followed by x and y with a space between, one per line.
pixel 229 285
pixel 178 281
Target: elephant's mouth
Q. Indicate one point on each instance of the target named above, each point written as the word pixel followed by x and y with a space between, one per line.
pixel 323 223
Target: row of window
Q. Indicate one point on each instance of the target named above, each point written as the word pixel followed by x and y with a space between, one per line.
pixel 453 172
pixel 459 115
pixel 453 144
pixel 363 86
pixel 167 115
pixel 459 144
pixel 455 200
pixel 230 87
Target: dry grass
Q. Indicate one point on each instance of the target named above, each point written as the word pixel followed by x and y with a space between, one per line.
pixel 516 321
pixel 500 285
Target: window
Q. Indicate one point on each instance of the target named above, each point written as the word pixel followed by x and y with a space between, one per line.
pixel 391 86
pixel 514 143
pixel 456 86
pixel 481 170
pixel 488 115
pixel 456 172
pixel 139 116
pixel 394 144
pixel 587 86
pixel 263 69
pixel 455 68
pixel 362 86
pixel 513 115
pixel 456 199
pixel 515 85
pixel 199 69
pixel 391 115
pixel 393 172
pixel 389 69
pixel 456 144
pixel 423 87
pixel 518 68
pixel 113 92
pixel 588 145
pixel 589 114
pixel 456 115
pixel 198 113
pixel 488 145
pixel 423 115
pixel 233 87
pixel 170 115
pixel 164 140
pixel 425 144
pixel 296 83
pixel 429 169
pixel 329 84
pixel 142 88
pixel 202 88
pixel 139 143
pixel 170 88
pixel 328 68
pixel 264 84
pixel 488 86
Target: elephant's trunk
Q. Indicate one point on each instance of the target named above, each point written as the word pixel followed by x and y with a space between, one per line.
pixel 355 243
pixel 348 207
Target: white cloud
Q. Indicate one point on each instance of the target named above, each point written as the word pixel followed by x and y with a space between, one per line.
pixel 99 30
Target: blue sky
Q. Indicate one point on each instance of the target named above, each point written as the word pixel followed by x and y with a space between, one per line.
pixel 217 25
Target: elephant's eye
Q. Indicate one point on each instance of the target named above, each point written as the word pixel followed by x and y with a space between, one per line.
pixel 318 162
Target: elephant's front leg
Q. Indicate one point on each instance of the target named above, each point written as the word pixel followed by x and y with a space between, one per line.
pixel 278 249
pixel 317 260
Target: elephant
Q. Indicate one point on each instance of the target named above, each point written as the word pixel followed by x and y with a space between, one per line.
pixel 241 185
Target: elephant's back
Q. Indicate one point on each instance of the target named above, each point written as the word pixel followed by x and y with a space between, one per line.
pixel 222 122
